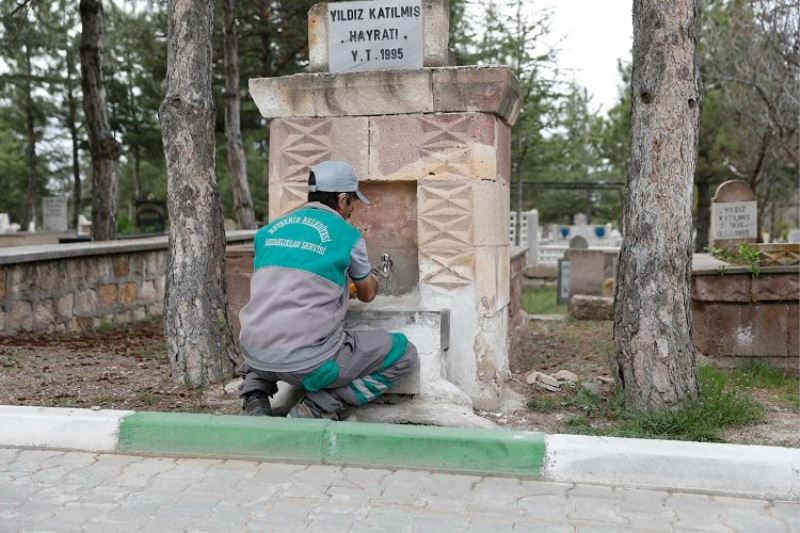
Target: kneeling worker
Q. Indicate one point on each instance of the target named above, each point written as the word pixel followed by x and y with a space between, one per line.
pixel 292 329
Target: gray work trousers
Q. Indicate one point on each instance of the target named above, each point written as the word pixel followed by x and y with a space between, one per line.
pixel 364 372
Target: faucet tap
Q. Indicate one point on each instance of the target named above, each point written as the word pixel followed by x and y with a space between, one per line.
pixel 386 266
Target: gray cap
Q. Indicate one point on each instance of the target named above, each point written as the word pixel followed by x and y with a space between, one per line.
pixel 335 176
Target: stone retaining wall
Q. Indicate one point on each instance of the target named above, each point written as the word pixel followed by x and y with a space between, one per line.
pixel 74 287
pixel 735 314
pixel 80 293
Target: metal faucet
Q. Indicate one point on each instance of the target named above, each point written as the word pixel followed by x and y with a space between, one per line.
pixel 386 266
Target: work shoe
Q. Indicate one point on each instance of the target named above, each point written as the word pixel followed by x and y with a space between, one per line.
pixel 256 404
pixel 305 408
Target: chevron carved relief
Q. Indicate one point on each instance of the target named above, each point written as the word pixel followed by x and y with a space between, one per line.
pixel 446 146
pixel 445 214
pixel 447 268
pixel 285 197
pixel 444 222
pixel 306 143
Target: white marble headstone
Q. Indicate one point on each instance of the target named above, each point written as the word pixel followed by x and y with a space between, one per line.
pixel 54 213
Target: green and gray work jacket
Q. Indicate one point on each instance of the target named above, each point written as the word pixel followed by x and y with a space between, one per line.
pixel 298 294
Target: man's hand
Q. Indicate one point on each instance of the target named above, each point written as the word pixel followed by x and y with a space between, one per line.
pixel 367 288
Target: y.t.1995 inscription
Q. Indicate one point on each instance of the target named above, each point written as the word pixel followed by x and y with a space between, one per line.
pixel 375 35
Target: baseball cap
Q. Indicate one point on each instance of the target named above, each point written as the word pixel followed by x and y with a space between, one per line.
pixel 335 176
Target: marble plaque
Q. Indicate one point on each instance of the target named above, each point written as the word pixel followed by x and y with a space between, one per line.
pixel 734 220
pixel 375 35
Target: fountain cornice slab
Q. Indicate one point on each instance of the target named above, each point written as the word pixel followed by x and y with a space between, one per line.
pixel 493 90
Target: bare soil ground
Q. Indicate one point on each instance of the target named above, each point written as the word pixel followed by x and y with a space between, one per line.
pixel 120 368
pixel 127 368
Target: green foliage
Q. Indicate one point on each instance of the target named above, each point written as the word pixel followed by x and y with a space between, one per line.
pixel 719 406
pixel 746 255
pixel 542 301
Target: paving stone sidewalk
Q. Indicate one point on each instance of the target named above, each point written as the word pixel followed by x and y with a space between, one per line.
pixel 75 491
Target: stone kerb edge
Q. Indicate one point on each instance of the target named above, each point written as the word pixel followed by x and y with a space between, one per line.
pixel 60 428
pixel 463 450
pixel 740 470
pixel 763 472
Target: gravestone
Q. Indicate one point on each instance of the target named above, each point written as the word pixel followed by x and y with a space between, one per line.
pixel 733 215
pixel 54 213
pixel 562 295
pixel 151 215
pixel 532 256
pixel 580 219
pixel 578 242
pixel 794 235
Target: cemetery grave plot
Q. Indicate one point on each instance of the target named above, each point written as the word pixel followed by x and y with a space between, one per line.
pixel 584 348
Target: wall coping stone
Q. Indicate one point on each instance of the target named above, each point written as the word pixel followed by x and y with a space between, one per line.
pixel 49 252
pixel 490 89
pixel 517 251
pixel 708 265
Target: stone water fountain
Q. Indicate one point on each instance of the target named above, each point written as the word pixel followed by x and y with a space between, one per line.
pixel 431 146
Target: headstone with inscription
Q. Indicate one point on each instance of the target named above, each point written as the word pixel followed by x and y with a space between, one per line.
pixel 151 215
pixel 54 213
pixel 733 215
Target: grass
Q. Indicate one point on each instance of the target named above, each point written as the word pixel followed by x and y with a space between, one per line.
pixel 10 361
pixel 147 397
pixel 542 301
pixel 759 375
pixel 153 350
pixel 720 405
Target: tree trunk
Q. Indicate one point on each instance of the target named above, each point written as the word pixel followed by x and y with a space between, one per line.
pixel 138 192
pixel 72 125
pixel 199 341
pixel 237 163
pixel 30 149
pixel 103 148
pixel 654 360
pixel 703 219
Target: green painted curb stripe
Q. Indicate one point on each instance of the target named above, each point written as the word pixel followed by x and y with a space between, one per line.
pixel 464 450
pixel 235 436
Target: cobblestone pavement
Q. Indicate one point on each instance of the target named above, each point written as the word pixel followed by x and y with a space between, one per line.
pixel 72 491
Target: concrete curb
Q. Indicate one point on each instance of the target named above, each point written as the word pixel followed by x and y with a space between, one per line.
pixel 746 471
pixel 764 472
pixel 460 450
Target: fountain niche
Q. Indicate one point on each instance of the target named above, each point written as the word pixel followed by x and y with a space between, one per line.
pixel 431 147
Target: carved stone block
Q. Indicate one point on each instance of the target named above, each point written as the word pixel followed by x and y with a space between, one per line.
pixel 445 215
pixel 450 146
pixel 296 144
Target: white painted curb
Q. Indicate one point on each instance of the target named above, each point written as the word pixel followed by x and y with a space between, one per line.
pixel 56 427
pixel 752 471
